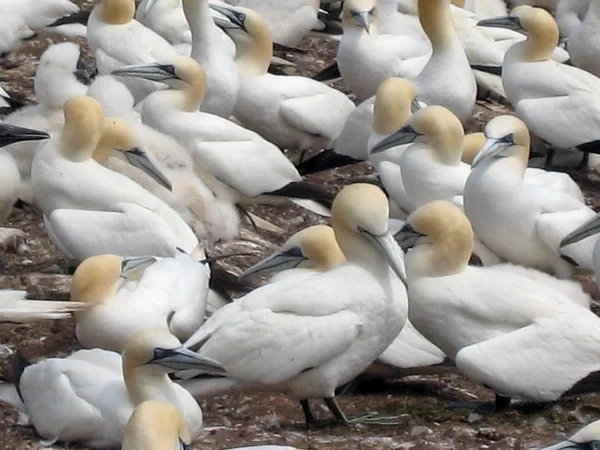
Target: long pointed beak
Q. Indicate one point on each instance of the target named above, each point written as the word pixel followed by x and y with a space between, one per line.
pixel 390 250
pixel 404 135
pixel 231 14
pixel 140 159
pixel 566 445
pixel 182 358
pixel 362 18
pixel 225 25
pixel 407 237
pixel 276 262
pixel 9 134
pixel 149 5
pixel 134 265
pixel 416 105
pixel 491 148
pixel 583 231
pixel 152 71
pixel 509 22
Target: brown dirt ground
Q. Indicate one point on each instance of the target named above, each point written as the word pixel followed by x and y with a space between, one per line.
pixel 245 419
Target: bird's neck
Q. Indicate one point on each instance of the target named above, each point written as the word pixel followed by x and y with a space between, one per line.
pixel 143 386
pixel 202 27
pixel 440 259
pixel 436 19
pixel 538 46
pixel 254 58
pixel 359 251
pixel 187 99
pixel 102 153
pixel 117 12
pixel 76 147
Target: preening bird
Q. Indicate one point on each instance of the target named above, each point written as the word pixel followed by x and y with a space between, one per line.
pixel 90 210
pixel 128 295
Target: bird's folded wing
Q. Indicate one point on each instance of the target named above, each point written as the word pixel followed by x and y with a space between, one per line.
pixel 266 347
pixel 539 361
pixel 312 114
pixel 132 231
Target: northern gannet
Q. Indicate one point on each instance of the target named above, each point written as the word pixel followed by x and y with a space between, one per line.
pixel 55 82
pixel 314 250
pixel 15 308
pixel 9 174
pixel 210 217
pixel 289 111
pixel 90 210
pixel 394 102
pixel 539 88
pixel 502 329
pixel 366 58
pixel 587 437
pixel 584 41
pixel 128 295
pixel 234 162
pixel 306 339
pixel 522 224
pixel 431 168
pixel 117 40
pixel 215 54
pixel 89 396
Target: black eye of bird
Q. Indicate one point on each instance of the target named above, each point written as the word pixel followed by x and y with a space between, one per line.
pixel 509 138
pixel 241 17
pixel 372 11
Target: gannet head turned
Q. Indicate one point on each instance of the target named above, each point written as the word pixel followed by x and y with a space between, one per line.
pixel 434 125
pixel 156 425
pixel 120 136
pixel 84 121
pixel 537 23
pixel 394 101
pixel 251 35
pixel 586 438
pixel 363 209
pixel 9 134
pixel 441 236
pixel 158 351
pixel 97 277
pixel 472 144
pixel 117 12
pixel 312 247
pixel 178 72
pixel 506 136
pixel 359 14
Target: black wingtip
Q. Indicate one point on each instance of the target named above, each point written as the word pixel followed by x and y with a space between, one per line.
pixel 324 160
pixel 20 363
pixel 304 190
pixel 329 73
pixel 494 70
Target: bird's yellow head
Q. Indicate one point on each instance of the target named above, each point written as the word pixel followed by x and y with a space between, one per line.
pixel 96 279
pixel 318 244
pixel 393 103
pixel 84 122
pixel 438 238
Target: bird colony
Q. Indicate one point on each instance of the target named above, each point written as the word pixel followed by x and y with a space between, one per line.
pixel 459 247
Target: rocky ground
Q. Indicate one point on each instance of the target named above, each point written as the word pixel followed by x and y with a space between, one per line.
pixel 420 402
